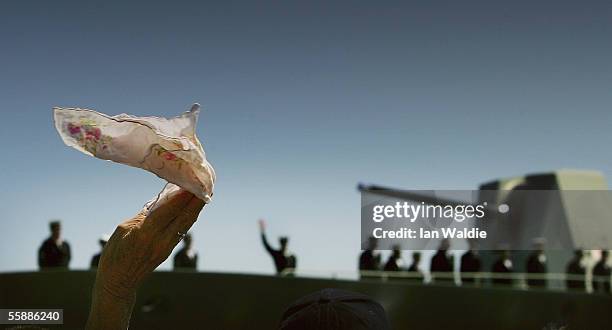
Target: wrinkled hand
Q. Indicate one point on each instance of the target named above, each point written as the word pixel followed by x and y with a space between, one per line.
pixel 140 244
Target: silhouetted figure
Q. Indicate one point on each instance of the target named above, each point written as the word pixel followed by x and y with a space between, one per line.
pixel 414 267
pixel 369 260
pixel 95 260
pixel 186 258
pixel 576 268
pixel 536 264
pixel 394 262
pixel 601 274
pixel 54 251
pixel 503 265
pixel 283 260
pixel 441 263
pixel 470 263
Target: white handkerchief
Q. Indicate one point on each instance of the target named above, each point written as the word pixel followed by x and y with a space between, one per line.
pixel 167 147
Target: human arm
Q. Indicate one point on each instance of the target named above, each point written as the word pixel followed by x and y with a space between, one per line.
pixel 68 254
pixel 41 256
pixel 135 249
pixel 264 240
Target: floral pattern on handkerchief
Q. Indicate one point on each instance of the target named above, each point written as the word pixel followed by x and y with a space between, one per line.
pixel 89 136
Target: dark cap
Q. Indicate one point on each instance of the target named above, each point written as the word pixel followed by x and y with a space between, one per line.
pixel 54 224
pixel 335 309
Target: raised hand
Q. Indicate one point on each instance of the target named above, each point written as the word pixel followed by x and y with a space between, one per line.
pixel 135 249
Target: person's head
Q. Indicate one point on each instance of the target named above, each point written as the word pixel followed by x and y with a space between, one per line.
pixel 397 251
pixel 187 240
pixel 372 243
pixel 334 309
pixel 416 257
pixel 56 229
pixel 578 254
pixel 444 245
pixel 604 255
pixel 538 245
pixel 103 240
pixel 283 241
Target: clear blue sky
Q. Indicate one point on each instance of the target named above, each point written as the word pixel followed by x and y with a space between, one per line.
pixel 302 100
